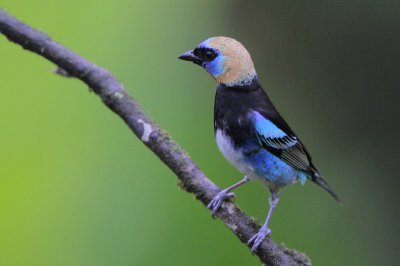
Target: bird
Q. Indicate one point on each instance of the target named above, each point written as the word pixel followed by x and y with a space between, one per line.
pixel 249 131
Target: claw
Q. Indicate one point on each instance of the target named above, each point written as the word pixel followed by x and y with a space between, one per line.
pixel 217 201
pixel 256 240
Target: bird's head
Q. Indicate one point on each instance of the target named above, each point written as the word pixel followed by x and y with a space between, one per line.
pixel 225 59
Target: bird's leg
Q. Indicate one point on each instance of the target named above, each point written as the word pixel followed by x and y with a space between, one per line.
pixel 216 202
pixel 256 240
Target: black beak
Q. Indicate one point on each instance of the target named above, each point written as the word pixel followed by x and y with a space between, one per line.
pixel 189 56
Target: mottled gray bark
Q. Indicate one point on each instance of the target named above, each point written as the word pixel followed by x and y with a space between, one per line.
pixel 114 96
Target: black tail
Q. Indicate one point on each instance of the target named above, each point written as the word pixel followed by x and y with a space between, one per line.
pixel 316 178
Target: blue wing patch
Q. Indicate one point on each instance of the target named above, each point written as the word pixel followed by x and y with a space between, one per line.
pixel 269 134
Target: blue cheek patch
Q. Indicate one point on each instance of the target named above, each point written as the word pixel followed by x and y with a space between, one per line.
pixel 215 67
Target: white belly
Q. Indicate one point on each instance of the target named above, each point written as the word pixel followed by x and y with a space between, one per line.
pixel 235 157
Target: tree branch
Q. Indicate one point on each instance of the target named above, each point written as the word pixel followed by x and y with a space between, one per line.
pixel 114 96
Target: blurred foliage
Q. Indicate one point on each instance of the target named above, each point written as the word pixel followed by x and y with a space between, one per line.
pixel 77 188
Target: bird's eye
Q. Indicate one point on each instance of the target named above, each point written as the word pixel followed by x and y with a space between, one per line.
pixel 206 54
pixel 209 55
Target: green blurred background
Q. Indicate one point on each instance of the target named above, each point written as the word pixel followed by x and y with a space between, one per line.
pixel 77 188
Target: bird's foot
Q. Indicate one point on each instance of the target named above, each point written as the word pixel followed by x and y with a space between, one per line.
pixel 258 238
pixel 216 202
